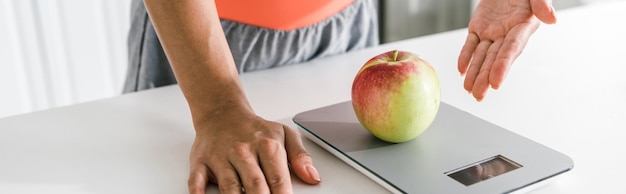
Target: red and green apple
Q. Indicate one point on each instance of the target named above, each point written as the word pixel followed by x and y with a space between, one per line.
pixel 396 95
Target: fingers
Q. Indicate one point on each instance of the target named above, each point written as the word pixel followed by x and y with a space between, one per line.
pixel 227 178
pixel 543 10
pixel 273 159
pixel 481 84
pixel 261 171
pixel 198 179
pixel 512 47
pixel 245 161
pixel 299 158
pixel 475 64
pixel 467 51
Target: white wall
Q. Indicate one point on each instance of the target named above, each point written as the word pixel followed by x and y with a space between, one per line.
pixel 60 52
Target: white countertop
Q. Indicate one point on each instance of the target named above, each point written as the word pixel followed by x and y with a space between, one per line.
pixel 566 91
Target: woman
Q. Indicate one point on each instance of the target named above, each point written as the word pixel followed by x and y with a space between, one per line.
pixel 208 43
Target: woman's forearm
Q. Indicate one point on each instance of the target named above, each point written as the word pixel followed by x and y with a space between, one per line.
pixel 195 46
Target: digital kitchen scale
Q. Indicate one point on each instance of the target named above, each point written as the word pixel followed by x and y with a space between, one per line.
pixel 458 153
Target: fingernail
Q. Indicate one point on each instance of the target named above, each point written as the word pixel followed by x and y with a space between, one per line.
pixel 313 173
pixel 553 13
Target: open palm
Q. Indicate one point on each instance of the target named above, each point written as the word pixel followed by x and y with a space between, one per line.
pixel 498 32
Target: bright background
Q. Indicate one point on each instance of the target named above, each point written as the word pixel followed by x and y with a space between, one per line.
pixel 61 52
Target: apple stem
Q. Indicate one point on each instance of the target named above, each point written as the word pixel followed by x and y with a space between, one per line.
pixel 395 55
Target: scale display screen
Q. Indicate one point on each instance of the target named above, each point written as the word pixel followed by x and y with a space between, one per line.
pixel 483 170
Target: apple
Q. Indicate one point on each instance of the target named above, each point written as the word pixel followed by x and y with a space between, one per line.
pixel 396 95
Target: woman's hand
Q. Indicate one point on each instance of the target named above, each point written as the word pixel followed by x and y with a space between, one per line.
pixel 498 32
pixel 237 149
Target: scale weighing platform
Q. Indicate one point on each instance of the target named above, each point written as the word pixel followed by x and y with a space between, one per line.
pixel 458 153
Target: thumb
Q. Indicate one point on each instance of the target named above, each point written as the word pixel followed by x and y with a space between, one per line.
pixel 299 158
pixel 543 10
